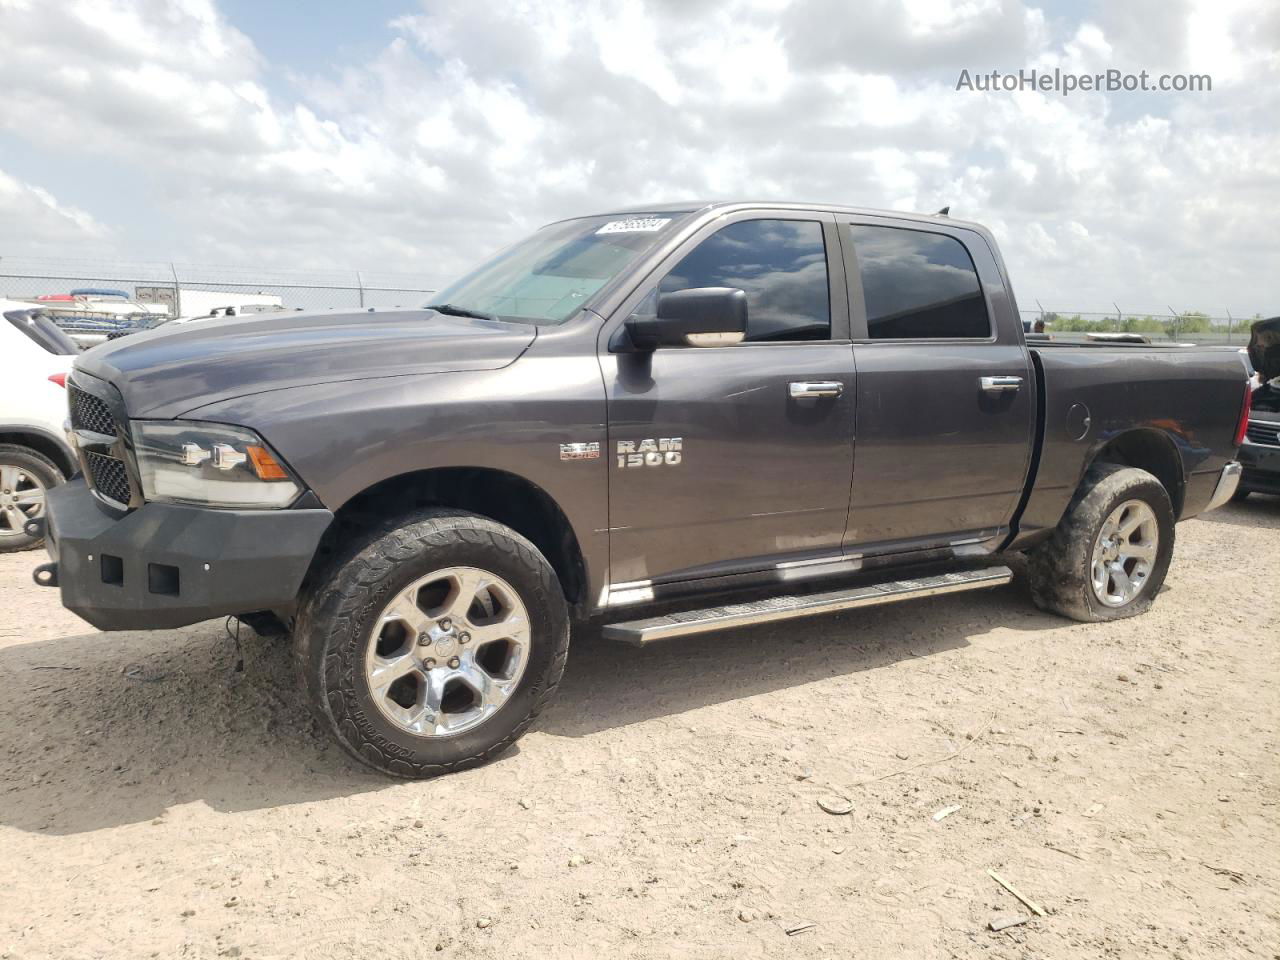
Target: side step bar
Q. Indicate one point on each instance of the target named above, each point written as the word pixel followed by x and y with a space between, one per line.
pixel 641 632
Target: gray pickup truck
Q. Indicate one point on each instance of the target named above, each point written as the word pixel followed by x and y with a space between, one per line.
pixel 665 421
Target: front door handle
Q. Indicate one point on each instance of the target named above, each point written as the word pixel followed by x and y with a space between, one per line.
pixel 1001 384
pixel 816 388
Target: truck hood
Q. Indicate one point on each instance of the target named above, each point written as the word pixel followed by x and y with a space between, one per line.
pixel 177 367
pixel 1264 348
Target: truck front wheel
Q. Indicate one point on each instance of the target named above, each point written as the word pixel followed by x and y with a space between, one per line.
pixel 1108 556
pixel 434 645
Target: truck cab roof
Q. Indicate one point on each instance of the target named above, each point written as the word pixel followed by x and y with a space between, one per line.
pixel 733 206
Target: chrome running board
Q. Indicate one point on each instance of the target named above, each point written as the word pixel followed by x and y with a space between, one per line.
pixel 640 632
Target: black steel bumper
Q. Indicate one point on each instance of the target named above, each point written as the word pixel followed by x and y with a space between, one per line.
pixel 165 565
pixel 1261 464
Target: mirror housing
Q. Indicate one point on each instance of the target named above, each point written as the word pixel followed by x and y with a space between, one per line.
pixel 700 317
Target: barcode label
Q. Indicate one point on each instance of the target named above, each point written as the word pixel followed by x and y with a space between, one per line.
pixel 635 225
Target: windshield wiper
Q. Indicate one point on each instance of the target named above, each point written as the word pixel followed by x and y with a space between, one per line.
pixel 453 310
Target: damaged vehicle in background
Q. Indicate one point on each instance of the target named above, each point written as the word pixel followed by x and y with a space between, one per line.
pixel 1260 452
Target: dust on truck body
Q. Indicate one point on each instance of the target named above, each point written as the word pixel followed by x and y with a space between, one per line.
pixel 671 420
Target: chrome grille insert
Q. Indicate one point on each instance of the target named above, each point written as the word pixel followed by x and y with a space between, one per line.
pixel 1264 433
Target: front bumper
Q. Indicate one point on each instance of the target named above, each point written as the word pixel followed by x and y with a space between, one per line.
pixel 1261 467
pixel 164 565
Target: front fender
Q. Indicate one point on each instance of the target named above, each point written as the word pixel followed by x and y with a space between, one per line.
pixel 343 438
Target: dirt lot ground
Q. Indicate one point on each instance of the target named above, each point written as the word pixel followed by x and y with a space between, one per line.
pixel 1125 777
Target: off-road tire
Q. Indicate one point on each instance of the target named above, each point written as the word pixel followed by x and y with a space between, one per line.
pixel 335 627
pixel 43 469
pixel 1058 570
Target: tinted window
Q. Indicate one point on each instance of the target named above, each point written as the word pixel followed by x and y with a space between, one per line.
pixel 918 285
pixel 780 264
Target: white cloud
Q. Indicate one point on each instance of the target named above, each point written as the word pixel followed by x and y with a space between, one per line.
pixel 479 121
pixel 43 225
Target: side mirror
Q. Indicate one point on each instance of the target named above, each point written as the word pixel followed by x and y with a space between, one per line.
pixel 701 317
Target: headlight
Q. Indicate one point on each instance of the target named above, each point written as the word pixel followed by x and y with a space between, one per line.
pixel 211 465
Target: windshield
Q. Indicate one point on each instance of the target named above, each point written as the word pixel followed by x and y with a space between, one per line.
pixel 548 276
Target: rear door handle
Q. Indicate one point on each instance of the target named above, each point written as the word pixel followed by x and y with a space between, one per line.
pixel 816 388
pixel 1001 384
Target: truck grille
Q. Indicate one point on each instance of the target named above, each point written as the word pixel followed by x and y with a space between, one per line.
pixel 89 413
pixel 1265 433
pixel 102 443
pixel 108 476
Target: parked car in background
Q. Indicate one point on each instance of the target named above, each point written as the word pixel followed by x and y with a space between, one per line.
pixel 1260 452
pixel 233 310
pixel 35 358
pixel 91 315
pixel 207 303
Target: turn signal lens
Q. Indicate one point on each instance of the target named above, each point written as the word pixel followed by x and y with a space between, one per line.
pixel 59 378
pixel 265 465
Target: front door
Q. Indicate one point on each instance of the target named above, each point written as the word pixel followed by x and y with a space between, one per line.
pixel 717 464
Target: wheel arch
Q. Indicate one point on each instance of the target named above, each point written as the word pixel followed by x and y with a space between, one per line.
pixel 504 497
pixel 44 443
pixel 1147 449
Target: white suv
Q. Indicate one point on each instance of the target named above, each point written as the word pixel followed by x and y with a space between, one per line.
pixel 35 358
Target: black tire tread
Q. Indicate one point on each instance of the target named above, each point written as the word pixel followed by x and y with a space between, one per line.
pixel 11 449
pixel 343 593
pixel 1058 570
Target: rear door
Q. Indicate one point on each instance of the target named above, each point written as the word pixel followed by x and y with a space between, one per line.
pixel 946 396
pixel 717 466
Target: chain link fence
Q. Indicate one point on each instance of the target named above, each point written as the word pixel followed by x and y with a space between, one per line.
pixel 191 290
pixel 1191 326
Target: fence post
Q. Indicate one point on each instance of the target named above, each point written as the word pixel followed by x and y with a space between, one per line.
pixel 1119 322
pixel 360 284
pixel 177 291
pixel 1231 322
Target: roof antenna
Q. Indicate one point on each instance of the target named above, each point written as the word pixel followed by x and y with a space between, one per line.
pixel 944 212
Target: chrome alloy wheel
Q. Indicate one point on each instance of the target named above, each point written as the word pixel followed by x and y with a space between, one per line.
pixel 21 499
pixel 1125 553
pixel 448 651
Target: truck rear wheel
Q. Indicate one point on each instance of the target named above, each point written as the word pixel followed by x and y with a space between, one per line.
pixel 1108 557
pixel 434 645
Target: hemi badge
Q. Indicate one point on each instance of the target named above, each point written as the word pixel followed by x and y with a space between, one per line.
pixel 580 451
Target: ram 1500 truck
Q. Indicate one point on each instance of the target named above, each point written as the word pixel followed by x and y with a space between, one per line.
pixel 666 421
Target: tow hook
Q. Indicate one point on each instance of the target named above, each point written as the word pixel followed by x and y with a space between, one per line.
pixel 46 575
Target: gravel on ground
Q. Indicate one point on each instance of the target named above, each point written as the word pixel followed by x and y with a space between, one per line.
pixel 685 800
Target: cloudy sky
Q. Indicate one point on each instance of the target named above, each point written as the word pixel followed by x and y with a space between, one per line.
pixel 388 135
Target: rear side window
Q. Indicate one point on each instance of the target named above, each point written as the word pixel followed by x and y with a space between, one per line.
pixel 918 286
pixel 781 265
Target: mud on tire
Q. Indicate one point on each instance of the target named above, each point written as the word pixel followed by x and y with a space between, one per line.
pixel 1059 569
pixel 336 626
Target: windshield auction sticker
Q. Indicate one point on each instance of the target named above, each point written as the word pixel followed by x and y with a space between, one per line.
pixel 635 225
